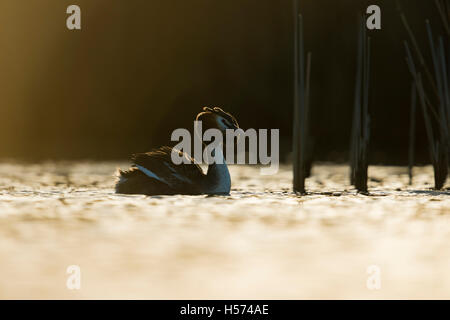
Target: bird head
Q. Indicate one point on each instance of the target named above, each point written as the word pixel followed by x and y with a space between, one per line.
pixel 216 118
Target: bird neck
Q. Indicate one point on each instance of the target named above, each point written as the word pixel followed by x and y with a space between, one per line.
pixel 218 176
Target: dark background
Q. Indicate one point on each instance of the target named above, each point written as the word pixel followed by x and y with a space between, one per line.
pixel 140 68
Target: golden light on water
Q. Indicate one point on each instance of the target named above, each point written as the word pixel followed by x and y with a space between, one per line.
pixel 261 242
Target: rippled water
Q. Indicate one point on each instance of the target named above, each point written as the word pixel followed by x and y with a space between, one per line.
pixel 260 242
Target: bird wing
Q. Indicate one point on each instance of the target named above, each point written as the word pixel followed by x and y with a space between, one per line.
pixel 158 165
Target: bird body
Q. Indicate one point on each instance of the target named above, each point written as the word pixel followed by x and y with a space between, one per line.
pixel 154 173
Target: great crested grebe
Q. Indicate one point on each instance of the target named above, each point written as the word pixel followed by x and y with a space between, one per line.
pixel 154 173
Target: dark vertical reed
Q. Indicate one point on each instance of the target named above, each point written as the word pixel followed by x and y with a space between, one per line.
pixel 435 108
pixel 360 138
pixel 296 121
pixel 301 107
pixel 309 142
pixel 302 83
pixel 412 132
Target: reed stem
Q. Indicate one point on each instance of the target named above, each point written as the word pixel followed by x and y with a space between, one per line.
pixel 361 118
pixel 412 132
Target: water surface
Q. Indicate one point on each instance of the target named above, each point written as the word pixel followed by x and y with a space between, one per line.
pixel 261 242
